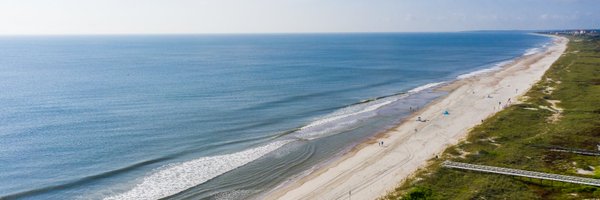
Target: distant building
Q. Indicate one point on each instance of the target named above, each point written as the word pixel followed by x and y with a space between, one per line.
pixel 575 32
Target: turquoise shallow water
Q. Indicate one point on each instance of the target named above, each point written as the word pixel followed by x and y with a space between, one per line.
pixel 211 116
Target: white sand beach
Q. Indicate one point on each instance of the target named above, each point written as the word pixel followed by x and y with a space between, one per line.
pixel 370 170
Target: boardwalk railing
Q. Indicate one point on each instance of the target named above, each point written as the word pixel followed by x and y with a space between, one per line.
pixel 522 173
pixel 570 150
pixel 575 151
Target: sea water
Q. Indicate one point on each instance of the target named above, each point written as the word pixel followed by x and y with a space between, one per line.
pixel 212 116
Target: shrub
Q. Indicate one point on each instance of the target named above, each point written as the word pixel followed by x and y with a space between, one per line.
pixel 418 193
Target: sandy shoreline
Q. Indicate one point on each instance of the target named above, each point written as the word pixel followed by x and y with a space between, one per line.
pixel 370 170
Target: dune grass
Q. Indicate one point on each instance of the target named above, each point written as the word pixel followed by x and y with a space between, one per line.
pixel 562 110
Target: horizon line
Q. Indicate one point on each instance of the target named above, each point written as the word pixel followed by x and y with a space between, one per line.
pixel 291 33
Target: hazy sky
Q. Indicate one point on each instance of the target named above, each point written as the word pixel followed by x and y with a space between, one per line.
pixel 251 16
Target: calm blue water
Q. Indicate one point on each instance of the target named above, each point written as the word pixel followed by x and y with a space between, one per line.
pixel 210 116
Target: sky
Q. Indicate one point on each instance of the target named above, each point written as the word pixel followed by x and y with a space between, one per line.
pixel 25 17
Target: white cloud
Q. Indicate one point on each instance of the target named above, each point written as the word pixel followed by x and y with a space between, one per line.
pixel 546 16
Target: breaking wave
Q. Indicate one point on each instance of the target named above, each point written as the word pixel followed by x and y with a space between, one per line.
pixel 494 68
pixel 174 178
pixel 424 87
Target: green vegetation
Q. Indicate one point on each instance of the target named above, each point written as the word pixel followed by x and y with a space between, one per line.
pixel 562 110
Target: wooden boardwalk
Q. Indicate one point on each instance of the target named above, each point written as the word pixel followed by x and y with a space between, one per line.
pixel 522 173
pixel 575 151
pixel 584 152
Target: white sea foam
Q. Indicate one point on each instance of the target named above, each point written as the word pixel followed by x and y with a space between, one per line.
pixel 347 118
pixel 496 67
pixel 344 113
pixel 177 177
pixel 236 194
pixel 424 87
pixel 342 119
pixel 532 51
pixel 174 178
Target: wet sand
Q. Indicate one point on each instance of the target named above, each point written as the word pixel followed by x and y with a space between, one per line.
pixel 370 170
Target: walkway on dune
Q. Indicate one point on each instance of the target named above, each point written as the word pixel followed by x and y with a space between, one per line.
pixel 522 173
pixel 575 151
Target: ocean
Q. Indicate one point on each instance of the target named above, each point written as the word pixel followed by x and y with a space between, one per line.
pixel 226 116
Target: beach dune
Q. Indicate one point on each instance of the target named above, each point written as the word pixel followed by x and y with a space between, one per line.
pixel 370 170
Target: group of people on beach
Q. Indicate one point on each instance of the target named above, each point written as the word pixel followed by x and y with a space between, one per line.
pixel 508 102
pixel 411 109
pixel 446 113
